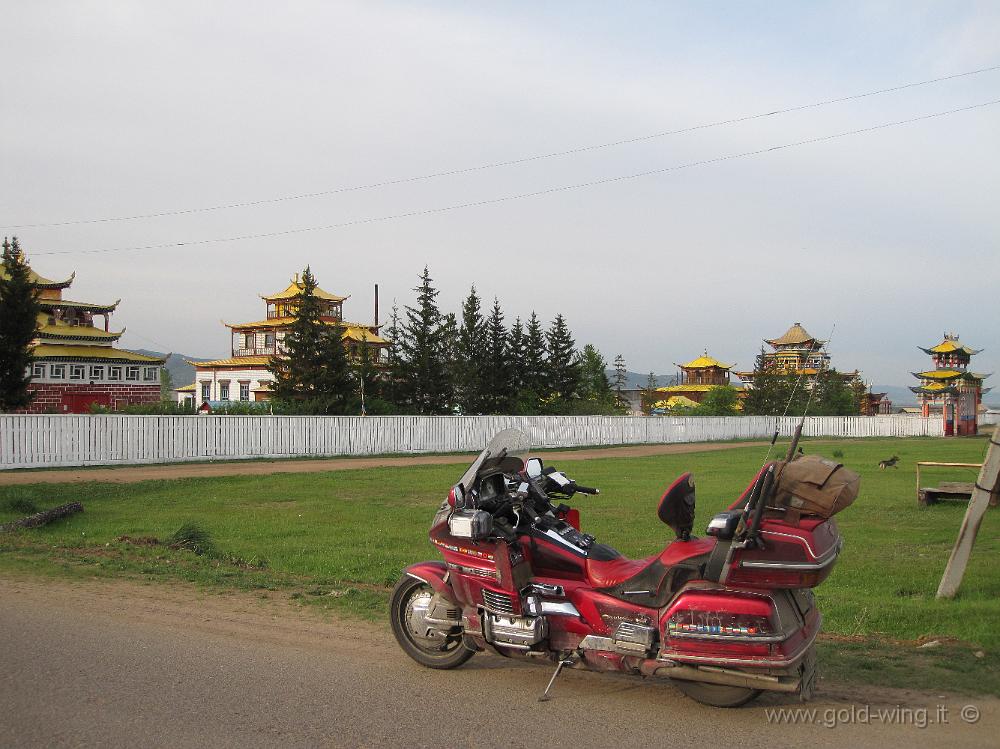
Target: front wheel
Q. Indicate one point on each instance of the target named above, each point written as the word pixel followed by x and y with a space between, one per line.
pixel 716 695
pixel 425 644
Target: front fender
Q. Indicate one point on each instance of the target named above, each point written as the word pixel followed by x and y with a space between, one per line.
pixel 434 574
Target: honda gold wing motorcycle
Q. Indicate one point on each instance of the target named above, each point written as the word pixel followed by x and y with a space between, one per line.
pixel 724 616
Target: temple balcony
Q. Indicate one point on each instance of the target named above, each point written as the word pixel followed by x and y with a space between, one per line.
pixel 256 351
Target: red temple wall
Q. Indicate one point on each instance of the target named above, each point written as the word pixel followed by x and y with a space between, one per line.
pixel 77 398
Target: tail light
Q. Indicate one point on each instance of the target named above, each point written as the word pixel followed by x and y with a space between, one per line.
pixel 719 624
pixel 723 616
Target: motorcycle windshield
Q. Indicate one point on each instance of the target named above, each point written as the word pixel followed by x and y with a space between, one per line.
pixel 510 445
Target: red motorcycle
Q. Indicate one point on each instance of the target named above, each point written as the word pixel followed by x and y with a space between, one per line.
pixel 724 617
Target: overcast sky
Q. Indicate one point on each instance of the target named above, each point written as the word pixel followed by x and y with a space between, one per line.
pixel 889 237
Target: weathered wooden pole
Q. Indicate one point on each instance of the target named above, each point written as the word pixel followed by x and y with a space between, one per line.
pixel 987 485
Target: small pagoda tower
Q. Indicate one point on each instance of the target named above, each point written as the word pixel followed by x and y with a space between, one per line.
pixel 697 377
pixel 951 386
pixel 246 374
pixel 75 364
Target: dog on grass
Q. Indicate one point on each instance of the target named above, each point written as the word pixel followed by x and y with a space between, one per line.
pixel 890 463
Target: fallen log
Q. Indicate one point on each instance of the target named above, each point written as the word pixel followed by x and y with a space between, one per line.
pixel 44 517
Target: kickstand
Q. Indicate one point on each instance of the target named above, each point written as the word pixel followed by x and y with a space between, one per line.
pixel 564 662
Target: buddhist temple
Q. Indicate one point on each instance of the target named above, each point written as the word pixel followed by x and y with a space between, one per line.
pixel 950 386
pixel 76 365
pixel 696 378
pixel 797 352
pixel 246 374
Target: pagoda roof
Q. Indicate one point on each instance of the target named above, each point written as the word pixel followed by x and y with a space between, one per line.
pixel 86 306
pixel 361 335
pixel 942 375
pixel 950 345
pixel 795 335
pixel 106 353
pixel 185 388
pixel 284 322
pixel 234 361
pixel 704 362
pixel 676 401
pixel 695 388
pixel 77 333
pixel 42 282
pixel 934 388
pixel 294 289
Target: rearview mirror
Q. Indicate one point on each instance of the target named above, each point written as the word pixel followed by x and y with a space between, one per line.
pixel 533 467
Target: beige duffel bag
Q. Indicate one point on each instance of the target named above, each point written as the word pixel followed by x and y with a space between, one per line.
pixel 813 485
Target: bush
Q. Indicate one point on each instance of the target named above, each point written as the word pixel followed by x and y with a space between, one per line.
pixel 193 538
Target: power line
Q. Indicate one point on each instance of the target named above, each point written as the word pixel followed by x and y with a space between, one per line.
pixel 522 196
pixel 497 164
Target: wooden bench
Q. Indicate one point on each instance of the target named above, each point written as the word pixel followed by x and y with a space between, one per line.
pixel 947 490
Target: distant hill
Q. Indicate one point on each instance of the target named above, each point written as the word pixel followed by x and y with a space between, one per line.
pixel 898 394
pixel 635 380
pixel 181 372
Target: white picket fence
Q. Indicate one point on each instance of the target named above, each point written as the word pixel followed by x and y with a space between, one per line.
pixel 55 441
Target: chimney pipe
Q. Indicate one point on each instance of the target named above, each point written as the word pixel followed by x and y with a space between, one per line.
pixel 376 305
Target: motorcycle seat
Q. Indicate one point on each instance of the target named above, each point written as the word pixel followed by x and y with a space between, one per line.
pixel 645 581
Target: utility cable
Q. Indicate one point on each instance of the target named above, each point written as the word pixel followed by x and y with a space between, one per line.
pixel 525 195
pixel 497 164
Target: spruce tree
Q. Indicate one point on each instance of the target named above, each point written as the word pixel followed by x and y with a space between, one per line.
pixel 649 394
pixel 393 368
pixel 425 385
pixel 496 377
pixel 516 357
pixel 563 364
pixel 621 376
pixel 471 348
pixel 595 388
pixel 19 312
pixel 313 375
pixel 536 354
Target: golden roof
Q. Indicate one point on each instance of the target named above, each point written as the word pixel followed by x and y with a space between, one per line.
pixel 77 332
pixel 185 388
pixel 675 401
pixel 58 351
pixel 42 282
pixel 950 345
pixel 939 374
pixel 704 362
pixel 295 290
pixel 286 322
pixel 87 306
pixel 361 334
pixel 795 335
pixel 234 361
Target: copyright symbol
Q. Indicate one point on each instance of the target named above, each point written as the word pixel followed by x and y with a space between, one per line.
pixel 970 714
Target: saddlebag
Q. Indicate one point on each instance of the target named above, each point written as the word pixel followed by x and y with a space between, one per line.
pixel 813 485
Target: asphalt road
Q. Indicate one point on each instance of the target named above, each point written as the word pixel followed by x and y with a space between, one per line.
pixel 120 664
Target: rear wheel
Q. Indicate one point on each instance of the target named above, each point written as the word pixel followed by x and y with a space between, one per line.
pixel 424 643
pixel 716 695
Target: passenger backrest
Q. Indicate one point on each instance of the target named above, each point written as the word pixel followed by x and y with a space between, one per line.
pixel 676 507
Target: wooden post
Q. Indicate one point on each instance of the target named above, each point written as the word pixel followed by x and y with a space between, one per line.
pixel 987 484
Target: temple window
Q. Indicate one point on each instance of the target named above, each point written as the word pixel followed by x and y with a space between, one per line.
pixel 150 374
pixel 269 340
pixel 58 372
pixel 131 373
pixel 37 370
pixel 248 340
pixel 114 373
pixel 77 372
pixel 224 391
pixel 97 373
pixel 244 391
pixel 206 391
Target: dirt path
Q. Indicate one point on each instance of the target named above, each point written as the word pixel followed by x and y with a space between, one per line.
pixel 131 474
pixel 123 664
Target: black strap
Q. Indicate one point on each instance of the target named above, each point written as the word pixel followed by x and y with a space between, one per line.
pixel 717 561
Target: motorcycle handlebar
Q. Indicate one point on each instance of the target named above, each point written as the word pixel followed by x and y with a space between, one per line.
pixel 586 489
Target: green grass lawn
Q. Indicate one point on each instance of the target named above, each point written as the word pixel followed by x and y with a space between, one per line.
pixel 349 533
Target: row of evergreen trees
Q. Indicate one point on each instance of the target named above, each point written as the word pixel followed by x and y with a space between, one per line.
pixel 439 363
